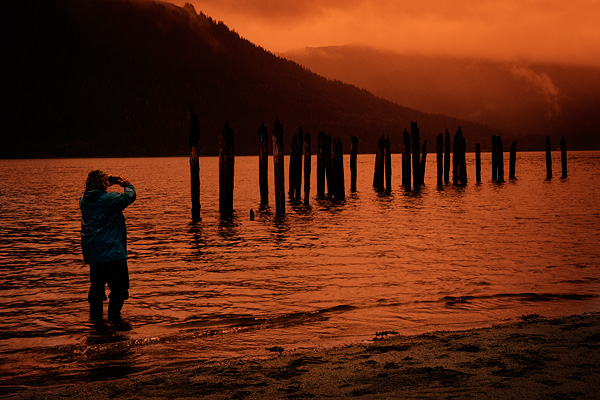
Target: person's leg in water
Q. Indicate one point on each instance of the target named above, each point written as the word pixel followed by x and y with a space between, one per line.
pixel 96 295
pixel 118 283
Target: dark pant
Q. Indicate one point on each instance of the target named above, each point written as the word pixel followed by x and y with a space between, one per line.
pixel 116 275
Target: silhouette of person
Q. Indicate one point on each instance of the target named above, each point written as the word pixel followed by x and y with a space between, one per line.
pixel 104 242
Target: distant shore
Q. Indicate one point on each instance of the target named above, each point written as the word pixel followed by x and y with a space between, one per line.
pixel 532 359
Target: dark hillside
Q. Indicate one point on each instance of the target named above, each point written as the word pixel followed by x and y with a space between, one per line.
pixel 116 78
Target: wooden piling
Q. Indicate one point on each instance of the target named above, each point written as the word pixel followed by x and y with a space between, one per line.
pixel 416 154
pixel 406 161
pixel 278 168
pixel 494 158
pixel 320 165
pixel 194 165
pixel 447 157
pixel 338 165
pixel 226 170
pixel 307 167
pixel 353 156
pixel 548 158
pixel 423 162
pixel 327 159
pixel 388 165
pixel 455 157
pixel 513 160
pixel 478 162
pixel 263 164
pixel 439 150
pixel 500 158
pixel 378 175
pixel 462 157
pixel 563 156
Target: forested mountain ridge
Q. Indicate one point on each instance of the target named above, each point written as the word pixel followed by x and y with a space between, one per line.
pixel 91 78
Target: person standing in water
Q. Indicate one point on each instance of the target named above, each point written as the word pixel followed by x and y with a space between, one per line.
pixel 104 242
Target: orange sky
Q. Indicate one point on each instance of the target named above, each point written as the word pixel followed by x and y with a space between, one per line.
pixel 529 30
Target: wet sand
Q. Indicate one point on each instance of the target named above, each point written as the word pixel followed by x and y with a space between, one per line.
pixel 535 358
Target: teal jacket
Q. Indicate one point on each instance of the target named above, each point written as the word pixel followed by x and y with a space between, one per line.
pixel 103 231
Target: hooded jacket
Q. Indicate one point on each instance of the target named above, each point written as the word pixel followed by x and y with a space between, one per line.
pixel 103 231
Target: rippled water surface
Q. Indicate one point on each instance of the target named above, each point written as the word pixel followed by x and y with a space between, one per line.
pixel 411 262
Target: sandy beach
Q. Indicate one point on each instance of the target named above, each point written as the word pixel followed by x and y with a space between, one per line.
pixel 534 358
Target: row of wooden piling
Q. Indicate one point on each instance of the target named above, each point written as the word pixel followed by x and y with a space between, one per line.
pixel 330 164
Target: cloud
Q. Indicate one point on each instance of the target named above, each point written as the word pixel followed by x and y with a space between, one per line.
pixel 528 30
pixel 543 83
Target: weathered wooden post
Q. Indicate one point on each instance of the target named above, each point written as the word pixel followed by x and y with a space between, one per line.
pixel 548 158
pixel 462 157
pixel 320 165
pixel 340 189
pixel 353 156
pixel 263 164
pixel 416 156
pixel 388 165
pixel 378 175
pixel 226 170
pixel 298 168
pixel 406 162
pixel 194 165
pixel 278 168
pixel 513 160
pixel 439 150
pixel 423 162
pixel 328 165
pixel 455 161
pixel 307 166
pixel 494 157
pixel 291 166
pixel 478 162
pixel 447 157
pixel 500 158
pixel 563 156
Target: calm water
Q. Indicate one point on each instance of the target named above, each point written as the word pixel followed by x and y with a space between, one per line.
pixel 328 274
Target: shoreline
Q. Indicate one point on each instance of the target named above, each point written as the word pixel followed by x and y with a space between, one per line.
pixel 531 359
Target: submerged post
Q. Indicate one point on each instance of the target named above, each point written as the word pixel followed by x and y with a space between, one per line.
pixel 494 157
pixel 416 157
pixel 563 156
pixel 439 150
pixel 548 158
pixel 278 168
pixel 462 157
pixel 226 170
pixel 423 162
pixel 320 165
pixel 379 165
pixel 263 164
pixel 455 156
pixel 338 160
pixel 194 165
pixel 513 160
pixel 353 155
pixel 478 162
pixel 447 157
pixel 307 166
pixel 406 163
pixel 500 157
pixel 327 159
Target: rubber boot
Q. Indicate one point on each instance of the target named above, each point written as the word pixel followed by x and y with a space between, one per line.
pixel 114 309
pixel 96 309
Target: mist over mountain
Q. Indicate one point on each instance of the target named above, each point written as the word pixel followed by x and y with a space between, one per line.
pixel 116 78
pixel 521 99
